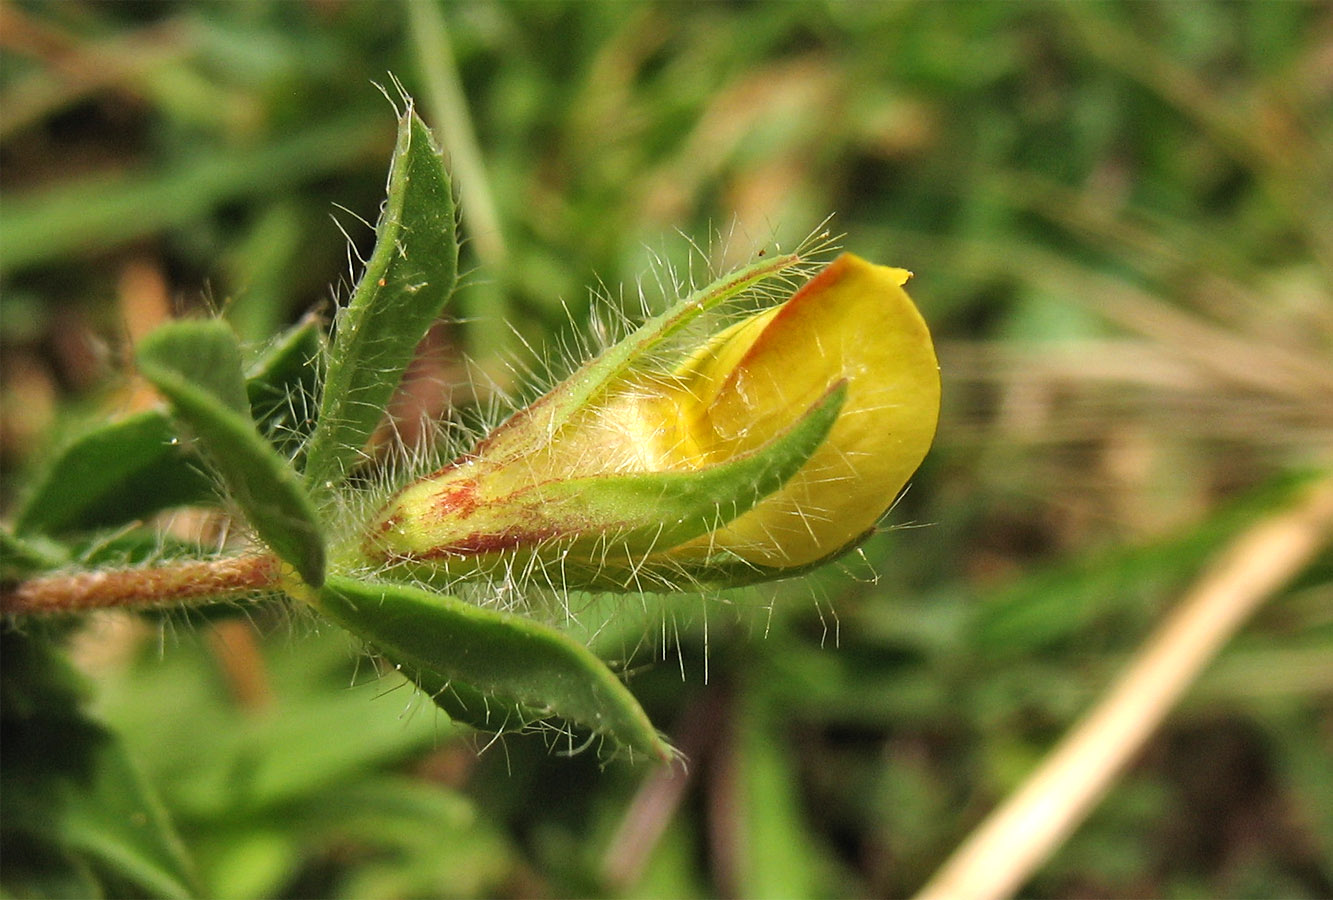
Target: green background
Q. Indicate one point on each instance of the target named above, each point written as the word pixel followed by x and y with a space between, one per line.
pixel 1119 222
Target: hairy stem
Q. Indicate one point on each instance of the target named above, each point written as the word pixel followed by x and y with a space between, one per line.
pixel 148 587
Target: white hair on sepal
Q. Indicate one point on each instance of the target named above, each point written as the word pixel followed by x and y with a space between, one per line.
pixel 534 581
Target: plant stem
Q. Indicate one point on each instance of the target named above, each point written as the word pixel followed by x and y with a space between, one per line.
pixel 148 587
pixel 1018 837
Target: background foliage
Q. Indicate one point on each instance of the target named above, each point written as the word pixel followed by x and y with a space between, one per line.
pixel 1119 222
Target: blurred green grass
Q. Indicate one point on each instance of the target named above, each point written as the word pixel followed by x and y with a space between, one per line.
pixel 1119 221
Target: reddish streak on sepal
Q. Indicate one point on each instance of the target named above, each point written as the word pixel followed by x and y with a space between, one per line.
pixel 458 499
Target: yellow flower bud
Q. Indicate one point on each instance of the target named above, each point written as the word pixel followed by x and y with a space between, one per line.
pixel 775 444
pixel 852 322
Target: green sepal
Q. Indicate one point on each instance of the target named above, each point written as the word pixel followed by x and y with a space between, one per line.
pixel 605 529
pixel 598 375
pixel 516 663
pixel 725 569
pixel 408 280
pixel 197 366
pixel 660 510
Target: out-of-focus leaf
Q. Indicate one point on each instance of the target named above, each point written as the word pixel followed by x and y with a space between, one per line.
pixel 224 762
pixel 114 473
pixel 70 792
pixel 97 212
pixel 1045 607
pixel 261 272
pixel 135 547
pixel 512 659
pixel 34 868
pixel 673 869
pixel 197 365
pixel 776 856
pixel 407 281
pixel 1300 750
pixel 430 841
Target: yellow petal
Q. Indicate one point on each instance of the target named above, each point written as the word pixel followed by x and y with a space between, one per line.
pixel 851 322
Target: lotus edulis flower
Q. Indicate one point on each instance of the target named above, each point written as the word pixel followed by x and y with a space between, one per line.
pixel 682 456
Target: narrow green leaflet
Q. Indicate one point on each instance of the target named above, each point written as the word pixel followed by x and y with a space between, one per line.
pixel 121 826
pixel 282 382
pixel 114 473
pixel 34 868
pixel 197 365
pixel 506 657
pixel 409 278
pixel 206 353
pixel 69 796
pixel 464 703
pixel 134 467
pixel 419 838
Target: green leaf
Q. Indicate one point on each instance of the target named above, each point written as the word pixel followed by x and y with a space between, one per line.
pixel 121 825
pixel 503 656
pixel 409 278
pixel 197 365
pixel 468 705
pixel 134 467
pixel 282 383
pixel 427 840
pixel 34 868
pixel 206 353
pixel 114 473
pixel 69 792
pixel 725 569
